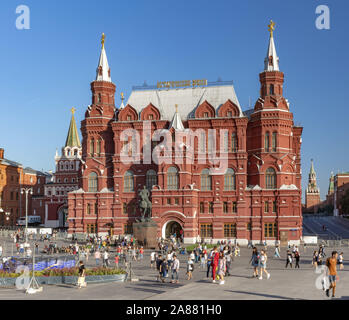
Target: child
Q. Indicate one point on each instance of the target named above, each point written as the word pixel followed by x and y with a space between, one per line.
pixel 190 268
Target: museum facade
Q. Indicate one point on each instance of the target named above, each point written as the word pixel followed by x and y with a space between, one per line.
pixel 213 170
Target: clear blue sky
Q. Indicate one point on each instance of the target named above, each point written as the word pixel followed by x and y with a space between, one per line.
pixel 48 69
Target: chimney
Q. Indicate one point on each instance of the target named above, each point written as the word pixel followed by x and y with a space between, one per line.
pixel 1 153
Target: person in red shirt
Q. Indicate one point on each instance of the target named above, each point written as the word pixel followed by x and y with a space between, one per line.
pixel 214 263
pixel 116 261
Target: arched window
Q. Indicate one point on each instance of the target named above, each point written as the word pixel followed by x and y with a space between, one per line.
pixel 128 181
pixel 273 142
pixel 234 142
pixel 270 179
pixel 151 179
pixel 92 147
pixel 98 147
pixel 229 180
pixel 99 97
pixel 172 178
pixel 266 142
pixel 271 89
pixel 93 182
pixel 206 182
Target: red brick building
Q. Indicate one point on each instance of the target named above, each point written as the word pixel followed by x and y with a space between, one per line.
pixel 339 184
pixel 64 180
pixel 256 194
pixel 14 177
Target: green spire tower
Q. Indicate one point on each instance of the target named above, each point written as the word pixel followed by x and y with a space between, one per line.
pixel 73 139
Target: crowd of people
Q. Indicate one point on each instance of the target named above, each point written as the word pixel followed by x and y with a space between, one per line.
pixel 217 261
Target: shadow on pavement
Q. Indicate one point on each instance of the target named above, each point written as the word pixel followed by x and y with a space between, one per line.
pixel 263 295
pixel 146 290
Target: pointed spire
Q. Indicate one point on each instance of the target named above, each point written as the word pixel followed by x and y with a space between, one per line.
pixel 177 123
pixel 312 171
pixel 331 186
pixel 271 62
pixel 103 70
pixel 122 101
pixel 73 139
pixel 312 183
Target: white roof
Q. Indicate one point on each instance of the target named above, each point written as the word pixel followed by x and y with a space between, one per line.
pixel 103 62
pixel 271 53
pixel 188 99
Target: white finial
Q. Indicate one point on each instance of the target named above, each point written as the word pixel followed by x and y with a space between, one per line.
pixel 103 70
pixel 271 62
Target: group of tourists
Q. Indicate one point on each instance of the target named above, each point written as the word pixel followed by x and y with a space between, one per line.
pixel 217 261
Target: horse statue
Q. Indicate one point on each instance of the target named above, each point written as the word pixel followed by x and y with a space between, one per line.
pixel 145 203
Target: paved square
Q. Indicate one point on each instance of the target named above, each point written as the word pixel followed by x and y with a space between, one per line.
pixel 284 283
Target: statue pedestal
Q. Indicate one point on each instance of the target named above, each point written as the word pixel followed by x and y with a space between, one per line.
pixel 145 232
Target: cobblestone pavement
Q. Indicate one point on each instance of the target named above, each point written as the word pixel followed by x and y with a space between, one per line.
pixel 283 284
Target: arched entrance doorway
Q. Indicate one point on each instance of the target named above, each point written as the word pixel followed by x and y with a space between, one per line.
pixel 62 217
pixel 170 228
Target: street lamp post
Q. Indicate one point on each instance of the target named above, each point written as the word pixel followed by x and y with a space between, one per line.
pixel 26 191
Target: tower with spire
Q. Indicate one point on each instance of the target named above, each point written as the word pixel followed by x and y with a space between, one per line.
pixel 273 146
pixel 98 144
pixel 65 178
pixel 276 143
pixel 312 193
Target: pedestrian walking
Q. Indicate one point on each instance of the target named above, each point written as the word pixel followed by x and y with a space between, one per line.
pixel 97 257
pixel 105 259
pixel 152 259
pixel 175 269
pixel 162 269
pixel 141 253
pixel 214 263
pixel 277 252
pixel 116 260
pixel 221 268
pixel 209 264
pixel 81 279
pixel 263 265
pixel 340 261
pixel 202 261
pixel 297 258
pixel 228 262
pixel 255 262
pixel 331 264
pixel 190 268
pixel 315 259
pixel 289 259
pixel 158 262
